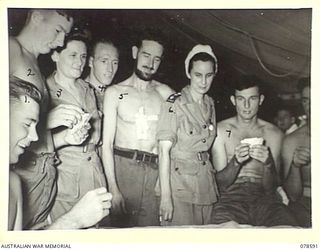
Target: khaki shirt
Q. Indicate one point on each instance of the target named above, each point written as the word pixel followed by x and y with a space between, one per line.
pixel 59 95
pixel 191 130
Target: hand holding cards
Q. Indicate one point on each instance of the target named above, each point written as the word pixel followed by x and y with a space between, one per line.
pixel 253 141
pixel 79 132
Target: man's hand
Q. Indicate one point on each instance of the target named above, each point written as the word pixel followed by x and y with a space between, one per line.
pixel 260 153
pixel 241 152
pixel 166 209
pixel 118 203
pixel 64 115
pixel 301 156
pixel 77 137
pixel 92 207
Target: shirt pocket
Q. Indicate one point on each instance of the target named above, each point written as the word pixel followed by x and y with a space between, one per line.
pixel 190 129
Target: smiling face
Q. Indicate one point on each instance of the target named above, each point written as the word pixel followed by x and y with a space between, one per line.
pixel 104 63
pixel 51 30
pixel 247 102
pixel 24 115
pixel 148 58
pixel 71 61
pixel 201 76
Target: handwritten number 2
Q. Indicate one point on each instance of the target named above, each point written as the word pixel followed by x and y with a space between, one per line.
pixel 30 73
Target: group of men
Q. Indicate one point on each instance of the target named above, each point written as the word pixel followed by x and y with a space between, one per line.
pixel 247 173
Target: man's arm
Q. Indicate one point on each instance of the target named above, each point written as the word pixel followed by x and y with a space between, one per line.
pixel 269 155
pixel 166 205
pixel 294 158
pixel 109 130
pixel 227 172
pixel 164 90
pixel 92 207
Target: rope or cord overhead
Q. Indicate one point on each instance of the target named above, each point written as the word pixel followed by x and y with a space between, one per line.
pixel 253 46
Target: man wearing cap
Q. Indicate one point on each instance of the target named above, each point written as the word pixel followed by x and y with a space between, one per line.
pixel 186 130
pixel 246 154
pixel 131 110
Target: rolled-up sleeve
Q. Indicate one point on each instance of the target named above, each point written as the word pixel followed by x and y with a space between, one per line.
pixel 167 124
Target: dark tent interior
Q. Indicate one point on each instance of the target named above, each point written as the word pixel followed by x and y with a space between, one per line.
pixel 272 44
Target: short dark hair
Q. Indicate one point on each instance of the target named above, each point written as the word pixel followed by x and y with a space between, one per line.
pixel 19 87
pixel 74 35
pixel 303 83
pixel 150 34
pixel 286 107
pixel 68 14
pixel 95 43
pixel 204 57
pixel 245 82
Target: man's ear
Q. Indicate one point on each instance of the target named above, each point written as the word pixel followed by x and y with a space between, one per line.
pixel 37 17
pixel 233 100
pixel 261 99
pixel 134 52
pixel 91 62
pixel 55 56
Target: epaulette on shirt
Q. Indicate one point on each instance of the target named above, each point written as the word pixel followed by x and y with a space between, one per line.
pixel 172 98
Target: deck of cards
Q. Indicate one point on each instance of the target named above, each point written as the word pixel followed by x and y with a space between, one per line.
pixel 81 124
pixel 253 141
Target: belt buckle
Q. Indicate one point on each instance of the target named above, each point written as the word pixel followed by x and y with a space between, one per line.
pixel 146 158
pixel 135 156
pixel 199 155
pixel 85 148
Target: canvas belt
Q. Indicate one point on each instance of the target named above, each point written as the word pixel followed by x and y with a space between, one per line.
pixel 244 179
pixel 139 156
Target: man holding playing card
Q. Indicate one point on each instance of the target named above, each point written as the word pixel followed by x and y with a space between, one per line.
pixel 246 155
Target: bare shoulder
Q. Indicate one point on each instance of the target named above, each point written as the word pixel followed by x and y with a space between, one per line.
pixel 270 129
pixel 15 182
pixel 164 90
pixel 119 87
pixel 296 137
pixel 227 123
pixel 14 46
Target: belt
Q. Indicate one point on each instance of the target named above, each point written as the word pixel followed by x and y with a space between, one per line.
pixel 139 156
pixel 90 147
pixel 203 156
pixel 244 179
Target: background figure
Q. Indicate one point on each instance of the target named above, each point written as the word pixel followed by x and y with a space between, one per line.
pixel 285 119
pixel 103 63
pixel 131 110
pixel 186 130
pixel 246 154
pixel 296 158
pixel 79 169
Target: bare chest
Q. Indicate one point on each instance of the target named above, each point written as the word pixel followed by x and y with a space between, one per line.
pixel 135 106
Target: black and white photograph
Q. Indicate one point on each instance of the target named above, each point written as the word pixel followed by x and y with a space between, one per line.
pixel 159 119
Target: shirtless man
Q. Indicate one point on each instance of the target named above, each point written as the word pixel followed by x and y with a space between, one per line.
pixel 25 100
pixel 44 30
pixel 103 63
pixel 296 159
pixel 131 110
pixel 247 171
